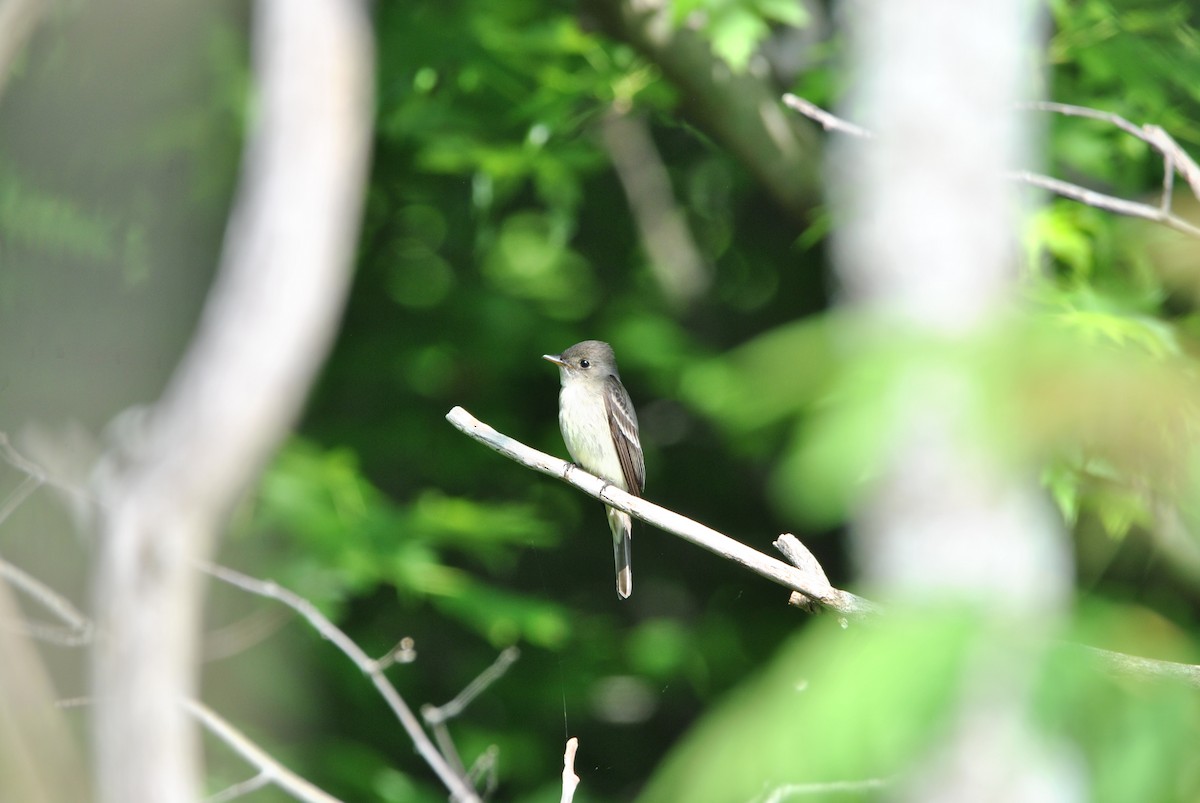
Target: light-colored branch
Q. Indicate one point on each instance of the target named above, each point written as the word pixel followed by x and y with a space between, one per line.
pixel 367 665
pixel 241 789
pixel 164 488
pixel 258 758
pixel 804 560
pixel 808 573
pixel 436 716
pixel 1174 159
pixel 1108 203
pixel 75 629
pixel 669 521
pixel 822 789
pixel 19 495
pixel 1119 663
pixel 570 781
pixel 827 120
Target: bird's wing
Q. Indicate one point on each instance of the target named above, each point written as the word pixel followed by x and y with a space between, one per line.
pixel 622 422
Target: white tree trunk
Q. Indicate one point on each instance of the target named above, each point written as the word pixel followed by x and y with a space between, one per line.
pixel 164 489
pixel 929 245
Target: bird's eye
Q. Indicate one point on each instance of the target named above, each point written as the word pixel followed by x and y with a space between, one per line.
pixel 584 364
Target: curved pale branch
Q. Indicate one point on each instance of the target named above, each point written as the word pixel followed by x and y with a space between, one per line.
pixel 164 488
pixel 365 663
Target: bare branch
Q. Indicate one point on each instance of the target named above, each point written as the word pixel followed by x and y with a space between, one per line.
pixel 807 579
pixel 18 461
pixel 75 630
pixel 1108 203
pixel 483 774
pixel 569 779
pixel 240 789
pixel 804 560
pixel 666 520
pixel 828 121
pixel 369 667
pixel 796 790
pixel 267 766
pixel 437 716
pixel 1174 159
pixel 1147 668
pixel 1071 110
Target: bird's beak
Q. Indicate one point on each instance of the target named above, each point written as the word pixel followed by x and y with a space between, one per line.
pixel 556 359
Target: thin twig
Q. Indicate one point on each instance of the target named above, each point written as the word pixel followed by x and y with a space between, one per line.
pixel 1071 110
pixel 1121 664
pixel 18 496
pixel 484 774
pixel 788 791
pixel 19 461
pixel 667 520
pixel 1108 203
pixel 280 775
pixel 437 716
pixel 1175 159
pixel 453 781
pixel 76 629
pixel 241 789
pixel 827 120
pixel 403 653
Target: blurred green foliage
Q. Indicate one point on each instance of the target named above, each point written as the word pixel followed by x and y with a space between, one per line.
pixel 496 231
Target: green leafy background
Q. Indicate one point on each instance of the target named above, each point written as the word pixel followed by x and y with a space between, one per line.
pixel 495 231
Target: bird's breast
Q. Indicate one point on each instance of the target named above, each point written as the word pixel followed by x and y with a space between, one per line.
pixel 583 417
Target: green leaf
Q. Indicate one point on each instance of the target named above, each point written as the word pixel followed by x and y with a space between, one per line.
pixel 735 33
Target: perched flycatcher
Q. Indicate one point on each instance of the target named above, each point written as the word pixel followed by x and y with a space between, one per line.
pixel 601 431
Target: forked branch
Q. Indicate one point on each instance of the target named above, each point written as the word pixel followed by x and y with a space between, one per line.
pixel 1175 160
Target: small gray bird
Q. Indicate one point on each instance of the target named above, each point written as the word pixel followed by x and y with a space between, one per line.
pixel 601 432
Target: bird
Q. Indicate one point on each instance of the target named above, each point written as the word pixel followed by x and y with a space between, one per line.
pixel 600 429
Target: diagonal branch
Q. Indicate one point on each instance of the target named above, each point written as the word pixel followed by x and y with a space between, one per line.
pixel 269 770
pixel 370 667
pixel 807 579
pixel 813 587
pixel 75 629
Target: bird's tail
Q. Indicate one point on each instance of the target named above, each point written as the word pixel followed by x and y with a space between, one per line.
pixel 622 532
